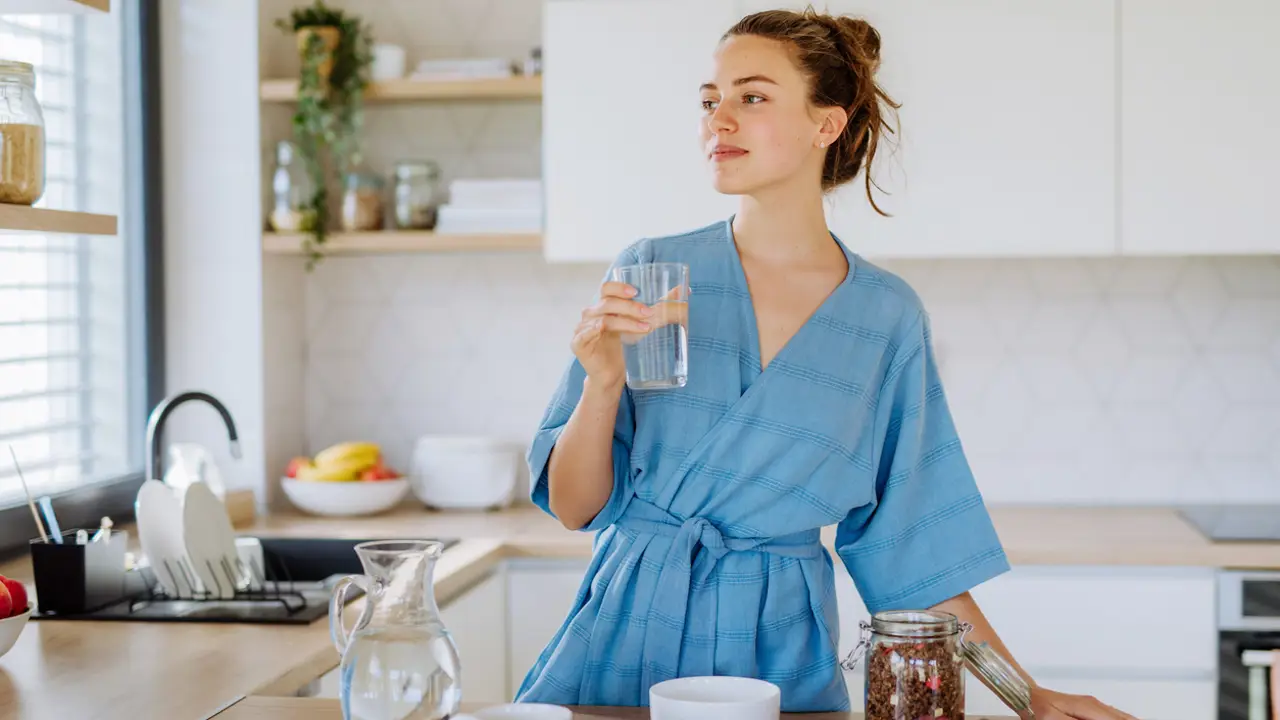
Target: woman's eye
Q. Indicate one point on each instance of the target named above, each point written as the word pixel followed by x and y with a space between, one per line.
pixel 708 105
pixel 752 99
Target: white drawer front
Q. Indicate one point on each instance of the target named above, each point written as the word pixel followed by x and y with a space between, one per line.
pixel 1132 623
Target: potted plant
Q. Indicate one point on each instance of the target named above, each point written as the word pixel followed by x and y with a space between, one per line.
pixel 317 29
pixel 331 85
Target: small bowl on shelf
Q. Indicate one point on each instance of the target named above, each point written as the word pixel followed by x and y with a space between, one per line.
pixel 345 499
pixel 11 628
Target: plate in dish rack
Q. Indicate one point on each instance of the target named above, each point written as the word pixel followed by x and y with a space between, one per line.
pixel 159 518
pixel 210 541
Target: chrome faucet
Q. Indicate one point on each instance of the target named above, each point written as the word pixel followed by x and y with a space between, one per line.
pixel 155 427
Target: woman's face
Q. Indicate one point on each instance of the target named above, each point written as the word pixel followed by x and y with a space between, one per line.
pixel 758 128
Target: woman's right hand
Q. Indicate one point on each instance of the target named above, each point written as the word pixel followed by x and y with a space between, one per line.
pixel 597 341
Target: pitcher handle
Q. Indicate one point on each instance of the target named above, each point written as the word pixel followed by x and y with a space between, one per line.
pixel 337 604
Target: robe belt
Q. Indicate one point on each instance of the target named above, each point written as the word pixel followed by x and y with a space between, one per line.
pixel 665 626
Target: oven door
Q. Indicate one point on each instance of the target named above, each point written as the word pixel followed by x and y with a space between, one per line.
pixel 1248 642
pixel 1244 675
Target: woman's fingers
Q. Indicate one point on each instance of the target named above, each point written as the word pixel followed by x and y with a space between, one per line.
pixel 1083 707
pixel 618 290
pixel 617 306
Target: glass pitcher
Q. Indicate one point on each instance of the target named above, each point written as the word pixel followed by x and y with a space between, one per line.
pixel 399 662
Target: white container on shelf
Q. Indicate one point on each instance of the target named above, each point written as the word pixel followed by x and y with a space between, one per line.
pixel 464 473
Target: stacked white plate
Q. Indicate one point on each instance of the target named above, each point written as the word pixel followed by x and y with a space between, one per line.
pixel 188 540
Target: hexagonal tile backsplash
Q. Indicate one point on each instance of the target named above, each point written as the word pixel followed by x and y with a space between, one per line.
pixel 1102 381
pixel 1108 381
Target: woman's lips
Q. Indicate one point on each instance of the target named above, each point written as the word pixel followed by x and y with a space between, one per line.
pixel 721 153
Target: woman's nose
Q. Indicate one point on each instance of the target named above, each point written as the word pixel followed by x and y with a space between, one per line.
pixel 722 119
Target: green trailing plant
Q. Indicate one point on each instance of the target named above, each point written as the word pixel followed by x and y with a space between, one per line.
pixel 329 114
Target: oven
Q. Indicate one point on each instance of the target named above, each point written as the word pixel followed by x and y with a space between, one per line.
pixel 1248 643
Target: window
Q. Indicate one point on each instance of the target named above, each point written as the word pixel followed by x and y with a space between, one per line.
pixel 76 311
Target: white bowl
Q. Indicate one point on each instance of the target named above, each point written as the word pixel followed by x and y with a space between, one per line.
pixel 698 698
pixel 345 499
pixel 11 628
pixel 522 711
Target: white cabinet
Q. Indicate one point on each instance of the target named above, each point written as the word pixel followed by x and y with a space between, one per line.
pixel 621 158
pixel 1199 121
pixel 477 619
pixel 1141 639
pixel 1008 138
pixel 540 594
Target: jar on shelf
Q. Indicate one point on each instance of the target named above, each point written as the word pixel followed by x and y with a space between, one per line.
pixel 362 202
pixel 21 135
pixel 915 663
pixel 417 194
pixel 292 192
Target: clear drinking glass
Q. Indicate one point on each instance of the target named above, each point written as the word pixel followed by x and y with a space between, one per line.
pixel 659 358
pixel 398 662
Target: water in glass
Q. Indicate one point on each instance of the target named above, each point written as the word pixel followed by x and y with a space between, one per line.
pixel 399 661
pixel 660 358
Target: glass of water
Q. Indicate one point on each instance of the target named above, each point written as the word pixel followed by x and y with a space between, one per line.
pixel 659 358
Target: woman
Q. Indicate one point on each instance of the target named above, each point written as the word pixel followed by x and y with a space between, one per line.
pixel 813 399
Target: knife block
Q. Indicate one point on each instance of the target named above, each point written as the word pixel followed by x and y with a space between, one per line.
pixel 73 578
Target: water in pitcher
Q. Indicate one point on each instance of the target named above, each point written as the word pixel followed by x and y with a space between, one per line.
pixel 400 674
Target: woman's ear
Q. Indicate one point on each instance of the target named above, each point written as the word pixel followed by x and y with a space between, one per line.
pixel 833 121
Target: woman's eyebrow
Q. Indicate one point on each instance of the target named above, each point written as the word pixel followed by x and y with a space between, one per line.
pixel 741 81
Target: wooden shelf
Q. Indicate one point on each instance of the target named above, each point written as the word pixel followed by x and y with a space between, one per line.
pixel 21 218
pixel 407 90
pixel 405 241
pixel 53 7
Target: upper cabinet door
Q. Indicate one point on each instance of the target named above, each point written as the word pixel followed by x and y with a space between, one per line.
pixel 1008 138
pixel 621 157
pixel 1200 126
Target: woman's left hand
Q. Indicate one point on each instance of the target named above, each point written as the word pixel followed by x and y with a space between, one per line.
pixel 1050 705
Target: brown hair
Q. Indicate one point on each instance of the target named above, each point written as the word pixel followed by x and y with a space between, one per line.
pixel 840 56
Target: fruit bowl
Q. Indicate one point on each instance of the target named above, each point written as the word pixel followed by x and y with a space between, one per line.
pixel 345 499
pixel 10 629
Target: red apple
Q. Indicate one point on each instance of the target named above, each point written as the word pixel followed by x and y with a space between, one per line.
pixel 17 594
pixel 291 470
pixel 6 602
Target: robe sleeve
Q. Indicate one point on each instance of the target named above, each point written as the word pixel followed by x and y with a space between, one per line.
pixel 562 404
pixel 928 537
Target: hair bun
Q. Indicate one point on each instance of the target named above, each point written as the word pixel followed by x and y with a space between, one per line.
pixel 863 39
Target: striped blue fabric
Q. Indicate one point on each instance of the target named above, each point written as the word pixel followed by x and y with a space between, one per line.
pixel 707 558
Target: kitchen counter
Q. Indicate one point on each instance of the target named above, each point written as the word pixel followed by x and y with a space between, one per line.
pixel 259 708
pixel 176 671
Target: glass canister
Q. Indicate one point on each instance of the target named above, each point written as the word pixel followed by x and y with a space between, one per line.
pixel 915 662
pixel 292 192
pixel 362 202
pixel 416 194
pixel 21 135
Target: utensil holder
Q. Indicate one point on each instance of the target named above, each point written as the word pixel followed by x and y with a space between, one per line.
pixel 73 578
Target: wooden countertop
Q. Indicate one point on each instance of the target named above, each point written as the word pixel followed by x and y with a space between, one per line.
pixel 260 708
pixel 264 708
pixel 176 671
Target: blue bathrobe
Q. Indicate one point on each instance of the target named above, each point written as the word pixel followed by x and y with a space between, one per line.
pixel 707 558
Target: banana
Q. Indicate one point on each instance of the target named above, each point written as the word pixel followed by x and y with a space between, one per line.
pixel 349 454
pixel 341 473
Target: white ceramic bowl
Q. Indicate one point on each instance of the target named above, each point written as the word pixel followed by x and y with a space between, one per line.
pixel 344 499
pixel 10 629
pixel 699 698
pixel 522 711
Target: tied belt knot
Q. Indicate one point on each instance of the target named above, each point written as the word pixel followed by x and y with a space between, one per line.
pixel 668 615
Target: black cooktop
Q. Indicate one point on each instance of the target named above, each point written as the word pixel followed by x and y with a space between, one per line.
pixel 1225 523
pixel 299 576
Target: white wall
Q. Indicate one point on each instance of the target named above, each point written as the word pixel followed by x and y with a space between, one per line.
pixel 213 258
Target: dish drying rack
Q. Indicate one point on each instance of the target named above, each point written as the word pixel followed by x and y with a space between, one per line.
pixel 243 583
